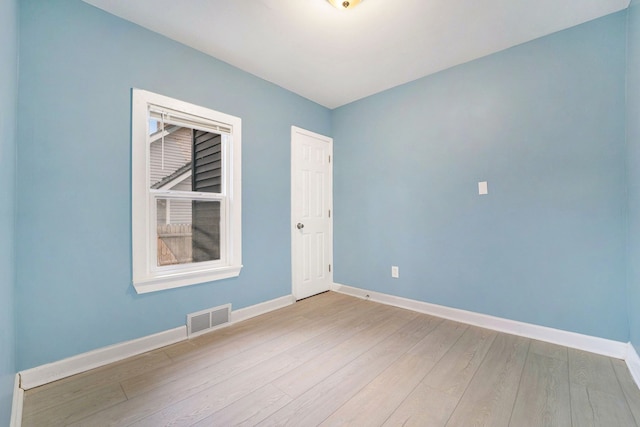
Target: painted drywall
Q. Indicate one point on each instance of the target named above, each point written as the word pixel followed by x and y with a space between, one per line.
pixel 633 168
pixel 77 67
pixel 8 100
pixel 543 124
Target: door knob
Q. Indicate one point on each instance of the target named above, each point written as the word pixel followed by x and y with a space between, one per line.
pixel 300 226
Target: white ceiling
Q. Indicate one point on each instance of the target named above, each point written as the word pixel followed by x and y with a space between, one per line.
pixel 334 57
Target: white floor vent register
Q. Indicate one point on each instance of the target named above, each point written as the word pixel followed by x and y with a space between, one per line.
pixel 208 320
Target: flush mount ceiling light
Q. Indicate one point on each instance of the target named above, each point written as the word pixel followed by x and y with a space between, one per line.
pixel 344 4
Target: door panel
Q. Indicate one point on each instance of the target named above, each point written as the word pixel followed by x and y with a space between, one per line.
pixel 311 197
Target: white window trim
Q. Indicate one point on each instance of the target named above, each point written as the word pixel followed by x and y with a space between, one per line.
pixel 146 276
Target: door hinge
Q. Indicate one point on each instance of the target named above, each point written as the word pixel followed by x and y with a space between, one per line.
pixel 329 158
pixel 329 268
pixel 329 213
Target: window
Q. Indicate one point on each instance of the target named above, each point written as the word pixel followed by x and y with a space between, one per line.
pixel 186 188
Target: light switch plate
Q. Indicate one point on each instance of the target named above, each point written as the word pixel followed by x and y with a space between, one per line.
pixel 483 188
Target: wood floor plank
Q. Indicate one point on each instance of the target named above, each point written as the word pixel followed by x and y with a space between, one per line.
pixel 196 398
pixel 325 364
pixel 249 410
pixel 333 339
pixel 543 396
pixel 219 369
pixel 591 407
pixel 454 372
pixel 207 402
pixel 432 402
pixel 593 371
pixel 488 401
pixel 629 387
pixel 315 405
pixel 180 349
pixel 549 350
pixel 54 394
pixel 180 388
pixel 377 400
pixel 425 406
pixel 76 409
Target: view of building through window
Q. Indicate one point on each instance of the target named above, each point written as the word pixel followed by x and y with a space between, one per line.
pixel 184 160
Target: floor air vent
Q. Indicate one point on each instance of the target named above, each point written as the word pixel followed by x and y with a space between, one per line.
pixel 208 320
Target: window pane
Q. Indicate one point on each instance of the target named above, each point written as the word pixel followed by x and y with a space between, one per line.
pixel 188 231
pixel 206 230
pixel 184 159
pixel 207 168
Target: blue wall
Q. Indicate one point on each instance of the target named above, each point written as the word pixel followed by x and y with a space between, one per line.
pixel 8 99
pixel 633 167
pixel 544 124
pixel 77 67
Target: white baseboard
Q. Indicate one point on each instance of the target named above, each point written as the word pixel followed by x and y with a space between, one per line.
pixel 50 372
pixel 633 362
pixel 16 407
pixel 610 348
pixel 261 308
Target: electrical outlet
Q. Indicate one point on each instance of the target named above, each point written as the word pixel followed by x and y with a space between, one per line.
pixel 395 271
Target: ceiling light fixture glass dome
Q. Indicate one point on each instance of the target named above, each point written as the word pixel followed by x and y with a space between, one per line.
pixel 344 4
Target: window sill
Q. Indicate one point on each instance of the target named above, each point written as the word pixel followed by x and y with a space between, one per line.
pixel 177 280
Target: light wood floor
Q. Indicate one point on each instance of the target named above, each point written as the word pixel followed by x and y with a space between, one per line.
pixel 337 360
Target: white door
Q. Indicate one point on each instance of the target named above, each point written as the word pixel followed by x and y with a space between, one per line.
pixel 311 223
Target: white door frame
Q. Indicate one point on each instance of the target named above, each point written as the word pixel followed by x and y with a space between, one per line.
pixel 295 249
